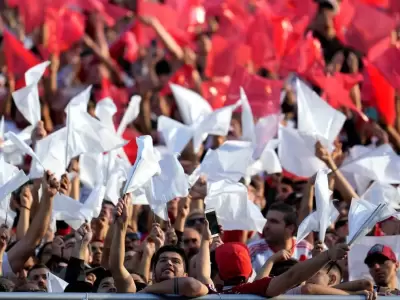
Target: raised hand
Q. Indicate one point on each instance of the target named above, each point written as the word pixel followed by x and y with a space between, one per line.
pixel 170 236
pixel 26 197
pixel 322 153
pixel 184 206
pixel 50 184
pixel 338 252
pixel 84 234
pixel 318 248
pixel 57 246
pixel 121 210
pixel 206 234
pixel 65 184
pixel 157 236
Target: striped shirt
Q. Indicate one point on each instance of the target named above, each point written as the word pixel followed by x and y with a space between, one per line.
pixel 260 252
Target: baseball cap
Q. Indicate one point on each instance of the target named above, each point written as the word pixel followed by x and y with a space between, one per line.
pixel 380 250
pixel 233 260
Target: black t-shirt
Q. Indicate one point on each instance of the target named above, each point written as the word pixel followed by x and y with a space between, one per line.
pixel 331 47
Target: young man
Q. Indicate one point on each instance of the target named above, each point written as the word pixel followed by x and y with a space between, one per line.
pixel 279 235
pixel 39 275
pixel 169 267
pixel 383 267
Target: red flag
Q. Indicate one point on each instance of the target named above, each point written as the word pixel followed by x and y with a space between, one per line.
pixel 263 94
pixel 126 46
pixel 65 28
pixel 387 62
pixel 183 76
pixel 215 92
pixel 18 59
pixel 363 32
pixel 383 94
pixel 225 55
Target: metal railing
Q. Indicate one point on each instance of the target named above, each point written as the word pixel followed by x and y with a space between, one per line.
pixel 92 296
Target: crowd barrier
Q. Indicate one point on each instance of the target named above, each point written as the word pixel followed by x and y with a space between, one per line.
pixel 79 296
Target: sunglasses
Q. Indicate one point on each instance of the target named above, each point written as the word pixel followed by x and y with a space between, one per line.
pixel 193 222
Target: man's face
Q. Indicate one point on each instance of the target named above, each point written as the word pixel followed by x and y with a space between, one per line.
pixel 275 230
pixel 129 260
pixel 97 252
pixel 39 276
pixel 69 247
pixel 106 212
pixel 191 241
pixel 169 265
pixel 382 270
pixel 107 286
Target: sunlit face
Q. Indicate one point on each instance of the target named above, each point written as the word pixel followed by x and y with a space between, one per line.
pixel 169 265
pixel 97 252
pixel 39 276
pixel 383 270
pixel 107 285
pixel 191 241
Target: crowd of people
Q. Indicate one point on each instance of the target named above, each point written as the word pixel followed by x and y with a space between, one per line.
pixel 125 122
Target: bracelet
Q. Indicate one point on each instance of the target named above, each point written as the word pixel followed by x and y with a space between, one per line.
pixel 25 207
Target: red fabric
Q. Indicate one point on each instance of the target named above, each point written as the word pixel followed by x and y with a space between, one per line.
pixel 18 59
pixel 263 94
pixel 225 55
pixel 64 231
pixel 389 66
pixel 381 250
pixel 258 287
pixel 215 93
pixel 382 94
pixel 233 260
pixel 232 236
pixel 183 76
pixel 65 28
pixel 362 33
pixel 131 148
pixel 126 46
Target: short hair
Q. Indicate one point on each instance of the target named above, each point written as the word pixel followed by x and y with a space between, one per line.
pixel 37 266
pixel 281 267
pixel 170 248
pixel 6 285
pixel 333 266
pixel 290 216
pixel 41 250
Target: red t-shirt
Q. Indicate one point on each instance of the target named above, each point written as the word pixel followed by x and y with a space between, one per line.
pixel 258 287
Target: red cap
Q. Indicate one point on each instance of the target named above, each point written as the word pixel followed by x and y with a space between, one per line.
pixel 380 250
pixel 233 260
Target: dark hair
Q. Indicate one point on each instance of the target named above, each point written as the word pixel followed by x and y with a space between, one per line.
pixel 37 266
pixel 162 68
pixel 170 248
pixel 335 267
pixel 281 267
pixel 6 285
pixel 290 216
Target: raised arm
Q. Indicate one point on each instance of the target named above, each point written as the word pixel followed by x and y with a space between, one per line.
pixel 20 253
pixel 26 200
pixel 304 270
pixel 203 260
pixel 123 280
